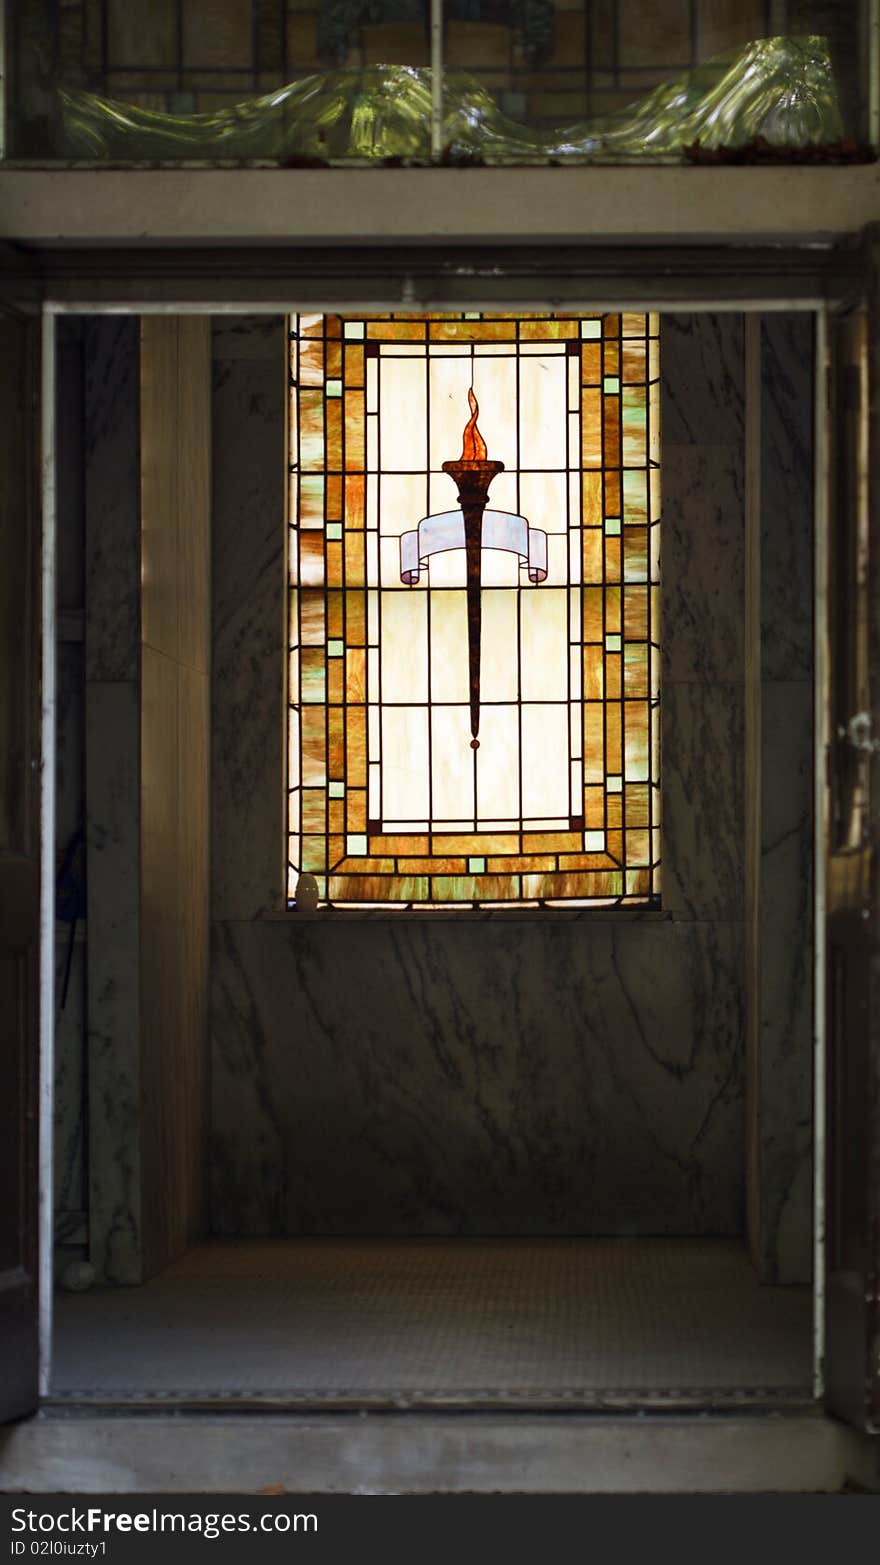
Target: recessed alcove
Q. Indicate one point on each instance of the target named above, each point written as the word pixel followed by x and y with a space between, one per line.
pixel 408 1156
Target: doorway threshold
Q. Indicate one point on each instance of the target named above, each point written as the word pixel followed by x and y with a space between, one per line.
pixel 79 1451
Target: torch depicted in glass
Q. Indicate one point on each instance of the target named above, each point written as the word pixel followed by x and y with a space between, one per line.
pixel 473 528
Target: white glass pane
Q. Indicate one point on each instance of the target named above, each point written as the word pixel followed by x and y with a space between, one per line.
pixel 542 412
pixel 545 761
pixel 372 386
pixel 375 793
pixel 452 764
pixel 544 642
pixel 371 540
pixel 404 762
pixel 372 443
pixel 499 674
pixel 374 722
pixel 575 665
pixel 495 390
pixel 500 568
pixel 574 493
pixel 575 739
pixel 402 411
pixel 498 764
pixel 574 382
pixel 403 498
pixel 372 501
pixel 448 569
pixel 542 498
pixel 574 612
pixel 372 618
pixel 557 561
pixel 449 646
pixel 389 554
pixel 405 646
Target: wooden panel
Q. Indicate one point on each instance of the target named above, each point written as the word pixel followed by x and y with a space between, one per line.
pixel 175 742
pixel 159 482
pixel 141 32
pixel 652 34
pixel 218 33
pixel 194 470
pixel 728 24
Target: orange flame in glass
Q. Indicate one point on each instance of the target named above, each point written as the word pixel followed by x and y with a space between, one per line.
pixel 474 447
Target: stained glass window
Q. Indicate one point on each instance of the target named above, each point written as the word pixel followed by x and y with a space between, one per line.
pixel 473 676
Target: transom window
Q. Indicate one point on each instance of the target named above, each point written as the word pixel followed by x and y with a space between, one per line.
pixel 474 558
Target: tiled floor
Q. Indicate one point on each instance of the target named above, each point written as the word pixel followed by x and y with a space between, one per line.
pixel 427 1322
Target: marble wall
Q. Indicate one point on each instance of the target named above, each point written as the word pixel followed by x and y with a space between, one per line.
pixel 783 1043
pixel 145 742
pixel 175 435
pixel 71 1160
pixel 522 1074
pixel 112 745
pixel 562 1073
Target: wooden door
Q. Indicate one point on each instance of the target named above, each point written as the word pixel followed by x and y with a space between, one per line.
pixel 19 868
pixel 852 1321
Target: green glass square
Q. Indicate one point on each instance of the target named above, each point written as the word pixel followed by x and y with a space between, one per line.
pixel 333 388
pixel 611 384
pixel 476 866
pixel 612 525
pixel 334 529
pixel 612 643
pixel 472 315
pixel 354 328
pixel 356 846
pixel 594 842
pixel 614 784
pixel 591 328
pixel 337 790
pixel 335 649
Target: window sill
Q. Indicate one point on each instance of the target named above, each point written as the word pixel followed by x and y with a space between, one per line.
pixel 535 914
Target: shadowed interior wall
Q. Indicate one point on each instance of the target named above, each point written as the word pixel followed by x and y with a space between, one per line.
pixel 145 444
pixel 518 1074
pixel 175 434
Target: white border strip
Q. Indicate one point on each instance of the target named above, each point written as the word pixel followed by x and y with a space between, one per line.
pixel 47 852
pixel 436 78
pixel 820 743
pixel 873 115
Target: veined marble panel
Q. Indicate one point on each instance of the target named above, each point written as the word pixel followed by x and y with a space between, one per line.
pixel 71 1196
pixel 112 747
pixel 702 785
pixel 787 497
pixel 786 982
pixel 69 754
pixel 248 605
pixel 112 497
pixel 702 564
pixel 522 1077
pixel 702 368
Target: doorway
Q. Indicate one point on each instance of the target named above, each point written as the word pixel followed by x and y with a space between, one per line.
pixel 530 1171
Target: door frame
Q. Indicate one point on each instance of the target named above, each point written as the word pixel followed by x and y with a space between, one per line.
pixel 683 279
